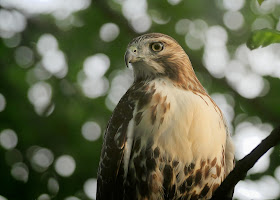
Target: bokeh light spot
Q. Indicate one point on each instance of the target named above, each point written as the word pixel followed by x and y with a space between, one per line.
pixel 241 54
pixel 251 86
pixel 20 172
pixel 233 5
pixel 134 8
pixel 183 26
pixel 2 102
pixel 92 79
pixel 3 198
pixel 8 139
pixel 24 56
pixel 94 88
pixel 54 61
pixel 247 137
pixel 233 20
pixel 90 188
pixel 60 9
pixel 13 41
pixel 226 106
pixel 199 25
pixel 216 60
pixel 266 7
pixel 96 66
pixel 53 186
pixel 71 198
pixel 136 12
pixel 216 36
pixel 119 85
pixel 264 188
pixel 46 43
pixel 40 95
pixel 11 22
pixel 44 197
pixel 216 55
pixel 194 41
pixel 174 2
pixel 65 165
pixel 261 23
pixel 265 61
pixel 277 173
pixel 141 23
pixel 39 73
pixel 158 17
pixel 91 131
pixel 41 159
pixel 109 32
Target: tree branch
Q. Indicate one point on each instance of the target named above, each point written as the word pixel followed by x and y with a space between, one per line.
pixel 243 165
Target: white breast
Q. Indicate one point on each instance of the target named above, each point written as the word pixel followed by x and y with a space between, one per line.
pixel 192 128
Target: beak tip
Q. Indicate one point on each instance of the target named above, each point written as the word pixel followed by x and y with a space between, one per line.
pixel 127 58
pixel 130 57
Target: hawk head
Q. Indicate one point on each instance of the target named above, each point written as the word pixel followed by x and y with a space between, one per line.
pixel 156 55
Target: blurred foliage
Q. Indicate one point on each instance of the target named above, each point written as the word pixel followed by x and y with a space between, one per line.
pixel 263 38
pixel 58 126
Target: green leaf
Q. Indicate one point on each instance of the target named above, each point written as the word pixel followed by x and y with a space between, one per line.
pixel 260 1
pixel 263 38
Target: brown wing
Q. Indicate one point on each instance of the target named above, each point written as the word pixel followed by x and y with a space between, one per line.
pixel 109 177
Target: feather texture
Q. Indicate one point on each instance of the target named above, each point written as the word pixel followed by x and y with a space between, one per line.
pixel 167 139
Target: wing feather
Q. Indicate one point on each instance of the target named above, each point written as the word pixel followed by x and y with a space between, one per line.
pixel 113 150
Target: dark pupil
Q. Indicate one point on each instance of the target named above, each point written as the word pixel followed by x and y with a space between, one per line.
pixel 157 47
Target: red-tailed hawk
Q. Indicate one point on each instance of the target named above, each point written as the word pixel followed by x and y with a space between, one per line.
pixel 166 139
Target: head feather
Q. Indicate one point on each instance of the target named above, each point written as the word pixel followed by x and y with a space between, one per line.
pixel 172 62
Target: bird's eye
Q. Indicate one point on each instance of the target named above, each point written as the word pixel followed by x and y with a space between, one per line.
pixel 157 46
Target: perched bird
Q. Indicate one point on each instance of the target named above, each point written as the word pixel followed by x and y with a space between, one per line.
pixel 166 139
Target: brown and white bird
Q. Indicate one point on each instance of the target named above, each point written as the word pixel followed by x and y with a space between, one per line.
pixel 166 139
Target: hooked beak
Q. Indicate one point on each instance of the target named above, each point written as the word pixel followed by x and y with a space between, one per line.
pixel 130 57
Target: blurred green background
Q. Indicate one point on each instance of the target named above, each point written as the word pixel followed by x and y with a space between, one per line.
pixel 62 73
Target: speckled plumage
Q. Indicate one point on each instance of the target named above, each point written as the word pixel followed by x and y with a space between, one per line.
pixel 167 139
